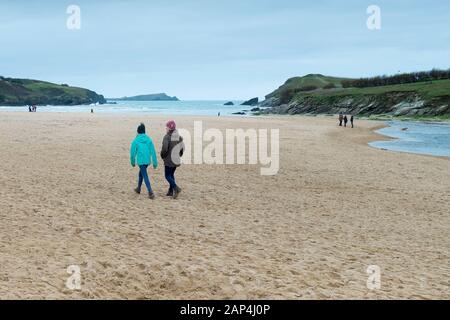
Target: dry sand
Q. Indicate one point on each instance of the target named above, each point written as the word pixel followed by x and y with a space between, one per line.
pixel 336 207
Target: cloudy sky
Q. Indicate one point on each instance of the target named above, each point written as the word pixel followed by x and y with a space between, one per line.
pixel 214 49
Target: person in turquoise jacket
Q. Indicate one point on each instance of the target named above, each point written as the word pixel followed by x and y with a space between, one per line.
pixel 143 153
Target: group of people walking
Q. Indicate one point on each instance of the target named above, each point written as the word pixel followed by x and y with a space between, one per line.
pixel 343 119
pixel 143 154
pixel 32 108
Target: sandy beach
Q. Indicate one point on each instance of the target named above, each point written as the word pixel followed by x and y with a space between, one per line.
pixel 336 207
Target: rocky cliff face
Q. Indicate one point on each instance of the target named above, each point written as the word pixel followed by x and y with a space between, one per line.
pixel 328 95
pixel 390 103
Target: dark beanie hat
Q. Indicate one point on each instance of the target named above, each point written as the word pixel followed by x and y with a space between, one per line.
pixel 141 129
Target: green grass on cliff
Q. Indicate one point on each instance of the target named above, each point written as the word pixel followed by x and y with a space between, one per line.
pixel 39 86
pixel 428 89
pixel 317 80
pixel 27 91
pixel 434 93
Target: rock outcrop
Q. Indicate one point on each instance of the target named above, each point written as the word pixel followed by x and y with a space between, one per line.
pixel 390 103
pixel 252 102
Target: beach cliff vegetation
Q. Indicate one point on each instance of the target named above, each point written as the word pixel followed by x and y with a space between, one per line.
pixel 20 92
pixel 400 95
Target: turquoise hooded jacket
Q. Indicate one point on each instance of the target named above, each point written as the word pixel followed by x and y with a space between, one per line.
pixel 143 151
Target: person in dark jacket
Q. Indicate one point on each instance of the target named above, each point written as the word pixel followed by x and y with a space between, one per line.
pixel 351 120
pixel 341 118
pixel 171 152
pixel 345 120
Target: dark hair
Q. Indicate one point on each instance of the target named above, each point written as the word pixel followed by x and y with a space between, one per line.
pixel 141 129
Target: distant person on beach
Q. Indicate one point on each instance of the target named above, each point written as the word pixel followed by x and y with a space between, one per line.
pixel 345 121
pixel 341 118
pixel 171 152
pixel 351 120
pixel 143 152
pixel 29 109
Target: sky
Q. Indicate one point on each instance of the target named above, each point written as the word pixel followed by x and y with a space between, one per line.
pixel 217 49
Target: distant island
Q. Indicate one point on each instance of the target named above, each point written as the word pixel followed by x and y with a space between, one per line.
pixel 21 92
pixel 416 94
pixel 148 97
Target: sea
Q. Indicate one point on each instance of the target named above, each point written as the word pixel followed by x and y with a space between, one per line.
pixel 431 138
pixel 196 108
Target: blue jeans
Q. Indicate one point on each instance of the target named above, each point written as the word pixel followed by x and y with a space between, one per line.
pixel 143 176
pixel 169 172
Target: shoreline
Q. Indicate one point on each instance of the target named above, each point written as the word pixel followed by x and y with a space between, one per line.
pixel 377 137
pixel 381 117
pixel 400 139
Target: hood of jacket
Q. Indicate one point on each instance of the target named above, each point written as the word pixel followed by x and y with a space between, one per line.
pixel 175 136
pixel 142 138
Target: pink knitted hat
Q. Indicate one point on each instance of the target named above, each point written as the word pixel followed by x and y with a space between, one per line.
pixel 171 125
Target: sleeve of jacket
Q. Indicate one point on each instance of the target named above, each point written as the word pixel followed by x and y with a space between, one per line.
pixel 133 153
pixel 153 156
pixel 165 147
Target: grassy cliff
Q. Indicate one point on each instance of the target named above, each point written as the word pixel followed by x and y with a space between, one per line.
pixel 19 92
pixel 326 95
pixel 310 81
